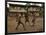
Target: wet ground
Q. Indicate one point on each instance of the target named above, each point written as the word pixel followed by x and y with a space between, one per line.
pixel 12 24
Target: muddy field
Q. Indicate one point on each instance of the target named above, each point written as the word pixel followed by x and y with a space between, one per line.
pixel 28 26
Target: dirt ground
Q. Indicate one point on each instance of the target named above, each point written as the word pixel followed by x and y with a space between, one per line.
pixel 12 24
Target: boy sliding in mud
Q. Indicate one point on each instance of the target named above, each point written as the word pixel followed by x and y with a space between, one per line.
pixel 20 20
